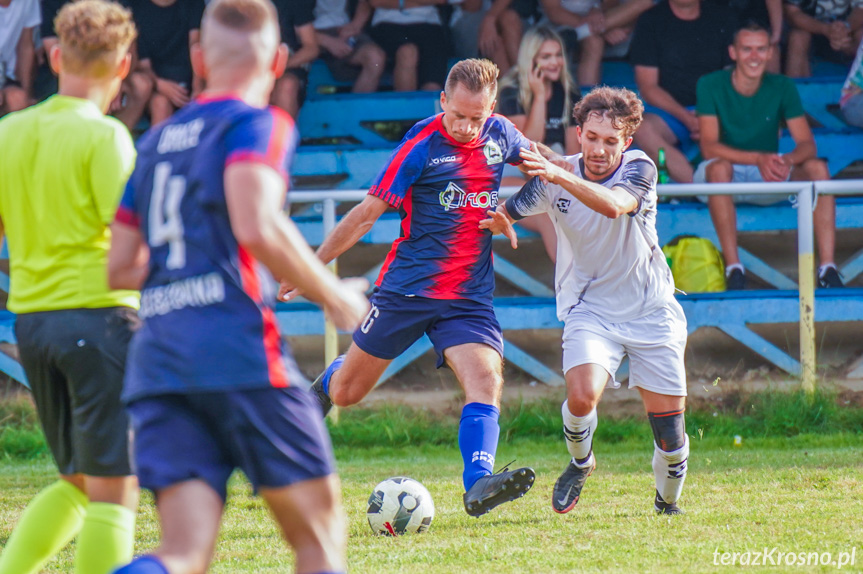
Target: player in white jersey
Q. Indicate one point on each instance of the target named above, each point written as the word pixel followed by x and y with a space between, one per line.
pixel 615 293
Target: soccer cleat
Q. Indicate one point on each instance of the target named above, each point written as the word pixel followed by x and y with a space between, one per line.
pixel 568 487
pixel 494 489
pixel 829 278
pixel 736 280
pixel 663 507
pixel 323 398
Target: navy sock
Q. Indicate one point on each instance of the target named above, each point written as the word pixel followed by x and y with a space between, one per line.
pixel 478 433
pixel 143 565
pixel 334 366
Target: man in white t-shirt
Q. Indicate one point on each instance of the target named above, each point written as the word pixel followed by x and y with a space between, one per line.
pixel 615 293
pixel 18 19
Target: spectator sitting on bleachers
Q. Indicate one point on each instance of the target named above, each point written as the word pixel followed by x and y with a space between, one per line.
pixel 18 19
pixel 740 112
pixel 347 51
pixel 410 32
pixel 768 13
pixel 589 26
pixel 676 42
pixel 834 27
pixel 166 31
pixel 851 101
pixel 137 87
pixel 296 21
pixel 538 96
pixel 491 29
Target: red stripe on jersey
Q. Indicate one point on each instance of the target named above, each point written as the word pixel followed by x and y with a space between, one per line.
pixel 405 235
pixel 126 216
pixel 282 126
pixel 271 337
pixel 396 163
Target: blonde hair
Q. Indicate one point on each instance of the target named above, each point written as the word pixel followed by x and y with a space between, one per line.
pixel 519 77
pixel 240 34
pixel 475 74
pixel 94 36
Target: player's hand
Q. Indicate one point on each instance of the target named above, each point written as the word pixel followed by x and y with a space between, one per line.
pixel 772 167
pixel 498 223
pixel 561 162
pixel 537 165
pixel 287 291
pixel 177 94
pixel 690 120
pixel 348 306
pixel 488 40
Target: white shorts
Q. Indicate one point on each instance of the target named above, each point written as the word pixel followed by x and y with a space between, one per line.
pixel 654 344
pixel 742 174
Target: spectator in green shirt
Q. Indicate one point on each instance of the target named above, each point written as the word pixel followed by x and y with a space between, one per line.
pixel 740 111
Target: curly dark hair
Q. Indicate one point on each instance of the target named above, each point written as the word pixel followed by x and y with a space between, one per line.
pixel 620 105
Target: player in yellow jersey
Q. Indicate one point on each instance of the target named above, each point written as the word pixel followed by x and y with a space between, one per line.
pixel 63 166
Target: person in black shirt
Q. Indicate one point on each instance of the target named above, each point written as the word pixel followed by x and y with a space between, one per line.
pixel 296 20
pixel 675 43
pixel 166 31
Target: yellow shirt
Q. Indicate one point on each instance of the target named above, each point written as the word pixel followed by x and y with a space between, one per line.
pixel 63 167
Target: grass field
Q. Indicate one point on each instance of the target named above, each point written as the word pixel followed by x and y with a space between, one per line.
pixel 797 494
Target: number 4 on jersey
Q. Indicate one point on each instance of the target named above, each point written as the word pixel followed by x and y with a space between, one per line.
pixel 165 222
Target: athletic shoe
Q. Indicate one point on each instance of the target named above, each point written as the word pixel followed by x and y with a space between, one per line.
pixel 663 507
pixel 830 278
pixel 736 280
pixel 323 398
pixel 568 487
pixel 494 489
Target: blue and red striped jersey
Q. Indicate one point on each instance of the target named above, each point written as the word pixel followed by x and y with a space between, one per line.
pixel 442 189
pixel 207 305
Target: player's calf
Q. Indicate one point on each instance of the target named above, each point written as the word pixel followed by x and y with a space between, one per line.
pixel 671 451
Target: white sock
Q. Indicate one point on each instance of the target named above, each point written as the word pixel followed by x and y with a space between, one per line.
pixel 731 268
pixel 582 32
pixel 825 267
pixel 669 468
pixel 578 432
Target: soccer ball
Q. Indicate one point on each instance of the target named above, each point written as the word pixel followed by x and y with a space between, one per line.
pixel 399 506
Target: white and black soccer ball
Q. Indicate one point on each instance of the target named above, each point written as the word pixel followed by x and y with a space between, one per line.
pixel 400 505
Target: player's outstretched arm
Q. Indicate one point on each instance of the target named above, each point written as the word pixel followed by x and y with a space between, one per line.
pixel 610 202
pixel 128 258
pixel 254 194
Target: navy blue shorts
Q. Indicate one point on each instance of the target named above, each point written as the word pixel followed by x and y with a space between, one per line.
pixel 395 322
pixel 275 436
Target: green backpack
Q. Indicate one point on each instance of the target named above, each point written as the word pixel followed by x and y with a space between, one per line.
pixel 696 264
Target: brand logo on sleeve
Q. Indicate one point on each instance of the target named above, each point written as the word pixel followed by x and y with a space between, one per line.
pixel 563 205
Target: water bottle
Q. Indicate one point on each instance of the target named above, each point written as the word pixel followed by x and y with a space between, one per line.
pixel 662 168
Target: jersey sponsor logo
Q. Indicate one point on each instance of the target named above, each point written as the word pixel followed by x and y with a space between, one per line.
pixel 563 205
pixel 444 159
pixel 492 153
pixel 197 291
pixel 454 197
pixel 180 137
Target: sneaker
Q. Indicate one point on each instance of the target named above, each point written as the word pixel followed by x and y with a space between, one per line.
pixel 736 280
pixel 568 487
pixel 323 398
pixel 830 278
pixel 494 489
pixel 663 507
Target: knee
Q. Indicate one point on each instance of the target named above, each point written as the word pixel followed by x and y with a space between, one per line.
pixel 582 404
pixel 593 46
pixel 374 57
pixel 141 86
pixel 16 99
pixel 408 55
pixel 816 169
pixel 161 108
pixel 509 20
pixel 719 170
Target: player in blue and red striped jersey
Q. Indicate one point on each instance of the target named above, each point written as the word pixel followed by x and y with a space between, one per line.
pixel 208 385
pixel 438 278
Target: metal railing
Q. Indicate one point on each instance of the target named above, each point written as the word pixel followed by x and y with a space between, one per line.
pixel 804 191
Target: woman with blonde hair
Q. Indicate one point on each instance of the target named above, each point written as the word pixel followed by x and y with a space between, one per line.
pixel 538 95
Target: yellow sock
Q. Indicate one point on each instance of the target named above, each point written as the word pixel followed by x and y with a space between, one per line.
pixel 49 522
pixel 106 540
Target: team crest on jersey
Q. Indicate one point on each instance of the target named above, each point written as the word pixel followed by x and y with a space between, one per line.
pixel 492 153
pixel 454 197
pixel 563 205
